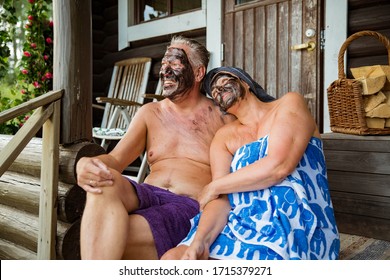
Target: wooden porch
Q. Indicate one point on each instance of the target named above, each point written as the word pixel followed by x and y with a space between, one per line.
pixel 358 172
pixel 359 180
pixel 358 166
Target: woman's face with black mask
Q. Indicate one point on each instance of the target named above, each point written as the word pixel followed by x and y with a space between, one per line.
pixel 226 90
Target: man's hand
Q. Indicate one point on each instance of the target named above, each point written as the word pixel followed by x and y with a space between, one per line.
pixel 92 173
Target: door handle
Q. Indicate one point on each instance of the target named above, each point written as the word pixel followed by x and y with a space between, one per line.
pixel 309 46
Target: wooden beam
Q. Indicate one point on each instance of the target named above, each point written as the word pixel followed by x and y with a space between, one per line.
pixel 21 228
pixel 49 186
pixel 22 191
pixel 72 67
pixel 12 251
pixel 23 136
pixel 30 105
pixel 29 160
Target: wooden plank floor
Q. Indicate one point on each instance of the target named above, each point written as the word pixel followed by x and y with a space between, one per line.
pixel 354 247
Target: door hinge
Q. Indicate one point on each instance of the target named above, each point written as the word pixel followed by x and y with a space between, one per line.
pixel 222 52
pixel 322 40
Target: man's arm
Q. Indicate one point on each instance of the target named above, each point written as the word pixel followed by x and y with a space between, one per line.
pixel 94 172
pixel 133 143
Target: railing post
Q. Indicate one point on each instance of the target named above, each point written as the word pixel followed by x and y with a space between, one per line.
pixel 49 186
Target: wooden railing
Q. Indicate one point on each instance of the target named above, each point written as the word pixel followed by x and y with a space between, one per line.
pixel 47 115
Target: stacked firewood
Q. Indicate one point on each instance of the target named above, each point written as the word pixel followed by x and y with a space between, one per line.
pixel 19 201
pixel 376 93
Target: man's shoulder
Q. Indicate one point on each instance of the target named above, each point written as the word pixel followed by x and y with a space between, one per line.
pixel 149 107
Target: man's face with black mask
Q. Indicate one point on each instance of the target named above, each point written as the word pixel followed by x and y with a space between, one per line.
pixel 176 73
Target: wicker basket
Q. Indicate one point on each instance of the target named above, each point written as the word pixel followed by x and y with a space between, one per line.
pixel 345 99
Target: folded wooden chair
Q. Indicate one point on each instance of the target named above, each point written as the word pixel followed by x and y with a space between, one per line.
pixel 126 94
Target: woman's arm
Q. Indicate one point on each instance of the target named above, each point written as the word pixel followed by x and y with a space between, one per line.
pixel 214 215
pixel 289 135
pixel 211 223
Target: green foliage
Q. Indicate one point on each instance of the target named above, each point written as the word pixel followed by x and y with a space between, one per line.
pixel 37 62
pixel 4 53
pixel 34 70
pixel 7 15
pixel 9 98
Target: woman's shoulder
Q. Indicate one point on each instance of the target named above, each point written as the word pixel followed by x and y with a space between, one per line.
pixel 292 100
pixel 292 96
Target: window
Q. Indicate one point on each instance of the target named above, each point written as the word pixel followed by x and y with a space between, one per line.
pixel 143 19
pixel 152 9
pixel 238 2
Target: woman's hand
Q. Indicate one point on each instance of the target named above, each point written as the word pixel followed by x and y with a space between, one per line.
pixel 197 251
pixel 207 194
pixel 92 173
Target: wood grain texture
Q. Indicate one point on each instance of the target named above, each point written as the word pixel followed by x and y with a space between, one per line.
pixel 359 180
pixel 258 37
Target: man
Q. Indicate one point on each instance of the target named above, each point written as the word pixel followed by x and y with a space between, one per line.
pixel 125 220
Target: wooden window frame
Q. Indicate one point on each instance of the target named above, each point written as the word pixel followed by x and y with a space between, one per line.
pixel 129 32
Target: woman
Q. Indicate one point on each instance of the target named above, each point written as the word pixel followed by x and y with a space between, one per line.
pixel 269 198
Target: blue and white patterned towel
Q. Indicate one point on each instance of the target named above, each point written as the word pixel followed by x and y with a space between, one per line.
pixel 291 220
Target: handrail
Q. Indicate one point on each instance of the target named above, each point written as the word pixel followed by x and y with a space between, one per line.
pixel 46 115
pixel 30 105
pixel 29 129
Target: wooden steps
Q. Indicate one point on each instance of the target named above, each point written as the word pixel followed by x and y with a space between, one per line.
pixel 19 201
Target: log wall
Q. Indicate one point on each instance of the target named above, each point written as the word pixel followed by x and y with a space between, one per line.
pixel 358 166
pixel 359 181
pixel 367 15
pixel 19 201
pixel 105 50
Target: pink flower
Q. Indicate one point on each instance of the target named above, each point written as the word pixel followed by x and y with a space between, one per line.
pixel 31 1
pixel 23 91
pixel 26 118
pixel 24 71
pixel 27 54
pixel 30 18
pixel 27 26
pixel 51 23
pixel 33 45
pixel 45 57
pixel 49 40
pixel 49 75
pixel 36 85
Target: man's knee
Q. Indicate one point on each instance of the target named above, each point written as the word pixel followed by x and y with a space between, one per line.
pixel 120 189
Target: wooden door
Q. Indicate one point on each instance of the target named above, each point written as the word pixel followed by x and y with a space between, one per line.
pixel 258 37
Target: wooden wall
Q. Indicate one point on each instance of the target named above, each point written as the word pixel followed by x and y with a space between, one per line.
pixel 359 166
pixel 368 15
pixel 105 49
pixel 258 37
pixel 359 180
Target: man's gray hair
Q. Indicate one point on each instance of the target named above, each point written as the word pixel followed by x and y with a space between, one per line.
pixel 199 54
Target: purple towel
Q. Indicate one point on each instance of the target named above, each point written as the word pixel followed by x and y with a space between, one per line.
pixel 168 214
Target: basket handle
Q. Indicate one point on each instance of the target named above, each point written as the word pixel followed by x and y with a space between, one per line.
pixel 354 36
